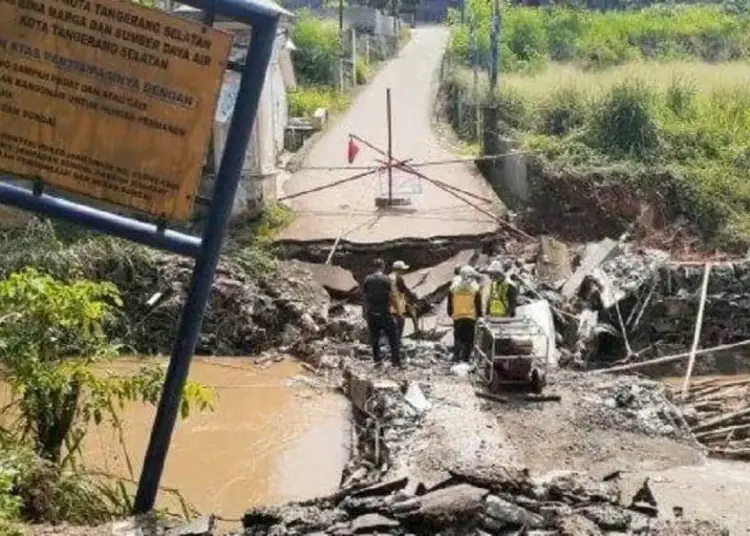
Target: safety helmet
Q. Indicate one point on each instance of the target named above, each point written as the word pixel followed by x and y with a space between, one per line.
pixel 495 268
pixel 467 272
pixel 400 265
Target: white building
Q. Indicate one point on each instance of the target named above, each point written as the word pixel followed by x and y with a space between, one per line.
pixel 258 184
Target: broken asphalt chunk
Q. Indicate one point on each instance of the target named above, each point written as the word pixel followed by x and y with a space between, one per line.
pixel 607 516
pixel 450 506
pixel 383 488
pixel 512 514
pixel 370 523
pixel 202 526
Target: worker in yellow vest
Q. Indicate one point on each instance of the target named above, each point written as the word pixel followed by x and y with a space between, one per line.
pixel 503 295
pixel 402 297
pixel 464 307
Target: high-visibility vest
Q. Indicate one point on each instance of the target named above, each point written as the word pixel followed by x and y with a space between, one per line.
pixel 398 303
pixel 498 306
pixel 463 303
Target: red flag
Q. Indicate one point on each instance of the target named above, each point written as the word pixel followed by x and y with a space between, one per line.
pixel 352 151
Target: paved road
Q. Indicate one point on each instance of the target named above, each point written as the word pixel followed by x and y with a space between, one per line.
pixel 349 209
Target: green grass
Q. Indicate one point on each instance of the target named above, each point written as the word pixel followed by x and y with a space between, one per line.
pixel 690 118
pixel 532 37
pixel 318 50
pixel 305 100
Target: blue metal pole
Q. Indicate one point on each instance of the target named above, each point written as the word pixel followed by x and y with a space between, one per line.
pixel 251 85
pixel 98 220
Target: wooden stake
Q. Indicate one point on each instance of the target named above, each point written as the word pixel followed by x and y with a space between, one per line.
pixel 697 332
pixel 670 358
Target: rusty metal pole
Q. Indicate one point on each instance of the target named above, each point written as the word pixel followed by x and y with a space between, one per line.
pixel 390 146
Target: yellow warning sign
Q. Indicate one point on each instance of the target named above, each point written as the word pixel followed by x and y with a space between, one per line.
pixel 108 99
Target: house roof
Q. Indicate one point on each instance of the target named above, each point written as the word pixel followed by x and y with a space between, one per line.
pixel 264 5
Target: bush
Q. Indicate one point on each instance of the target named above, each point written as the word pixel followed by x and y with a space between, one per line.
pixel 564 112
pixel 52 333
pixel 318 49
pixel 624 122
pixel 362 72
pixel 304 101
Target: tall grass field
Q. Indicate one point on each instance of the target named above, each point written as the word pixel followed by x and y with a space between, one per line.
pixel 532 37
pixel 676 97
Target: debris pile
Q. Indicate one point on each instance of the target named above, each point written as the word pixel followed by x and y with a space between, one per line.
pixel 718 410
pixel 244 315
pixel 624 403
pixel 494 499
pixel 615 303
pixel 386 413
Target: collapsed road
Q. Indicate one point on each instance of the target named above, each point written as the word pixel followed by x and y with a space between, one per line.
pixel 606 454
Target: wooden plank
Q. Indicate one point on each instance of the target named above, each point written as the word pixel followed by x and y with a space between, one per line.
pixel 112 101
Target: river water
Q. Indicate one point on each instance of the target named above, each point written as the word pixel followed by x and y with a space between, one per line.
pixel 271 438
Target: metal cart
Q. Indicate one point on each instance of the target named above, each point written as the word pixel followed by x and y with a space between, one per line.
pixel 506 356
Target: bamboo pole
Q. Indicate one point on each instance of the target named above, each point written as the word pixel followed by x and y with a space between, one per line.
pixel 697 331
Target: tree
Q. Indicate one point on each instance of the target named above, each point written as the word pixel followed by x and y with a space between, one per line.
pixel 52 334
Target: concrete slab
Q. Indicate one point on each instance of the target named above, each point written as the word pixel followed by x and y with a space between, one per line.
pixel 594 255
pixel 335 279
pixel 428 281
pixel 349 209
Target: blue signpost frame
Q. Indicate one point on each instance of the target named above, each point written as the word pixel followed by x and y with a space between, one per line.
pixel 263 18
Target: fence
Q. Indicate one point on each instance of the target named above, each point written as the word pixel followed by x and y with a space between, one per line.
pixel 476 118
pixel 361 52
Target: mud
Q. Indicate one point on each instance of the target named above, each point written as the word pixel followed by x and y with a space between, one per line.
pixel 601 425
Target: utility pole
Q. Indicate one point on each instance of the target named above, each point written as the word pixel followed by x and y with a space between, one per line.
pixel 390 146
pixel 475 68
pixel 495 49
pixel 341 21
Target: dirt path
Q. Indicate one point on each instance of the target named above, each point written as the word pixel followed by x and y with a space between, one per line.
pixel 412 78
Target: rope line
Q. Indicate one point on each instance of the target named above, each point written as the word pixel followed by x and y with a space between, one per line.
pixel 430 163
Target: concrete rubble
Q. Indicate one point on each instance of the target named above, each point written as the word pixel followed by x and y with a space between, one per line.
pixel 475 500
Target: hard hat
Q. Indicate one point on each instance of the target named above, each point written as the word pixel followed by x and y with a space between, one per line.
pixel 467 272
pixel 496 267
pixel 400 265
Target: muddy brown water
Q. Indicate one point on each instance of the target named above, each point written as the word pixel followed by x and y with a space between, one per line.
pixel 272 437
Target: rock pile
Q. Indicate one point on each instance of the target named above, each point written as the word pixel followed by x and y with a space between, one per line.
pixel 491 500
pixel 674 308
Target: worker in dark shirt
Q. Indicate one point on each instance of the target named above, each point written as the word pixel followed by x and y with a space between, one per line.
pixel 378 300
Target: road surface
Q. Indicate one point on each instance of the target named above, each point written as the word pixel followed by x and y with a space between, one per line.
pixel 349 209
